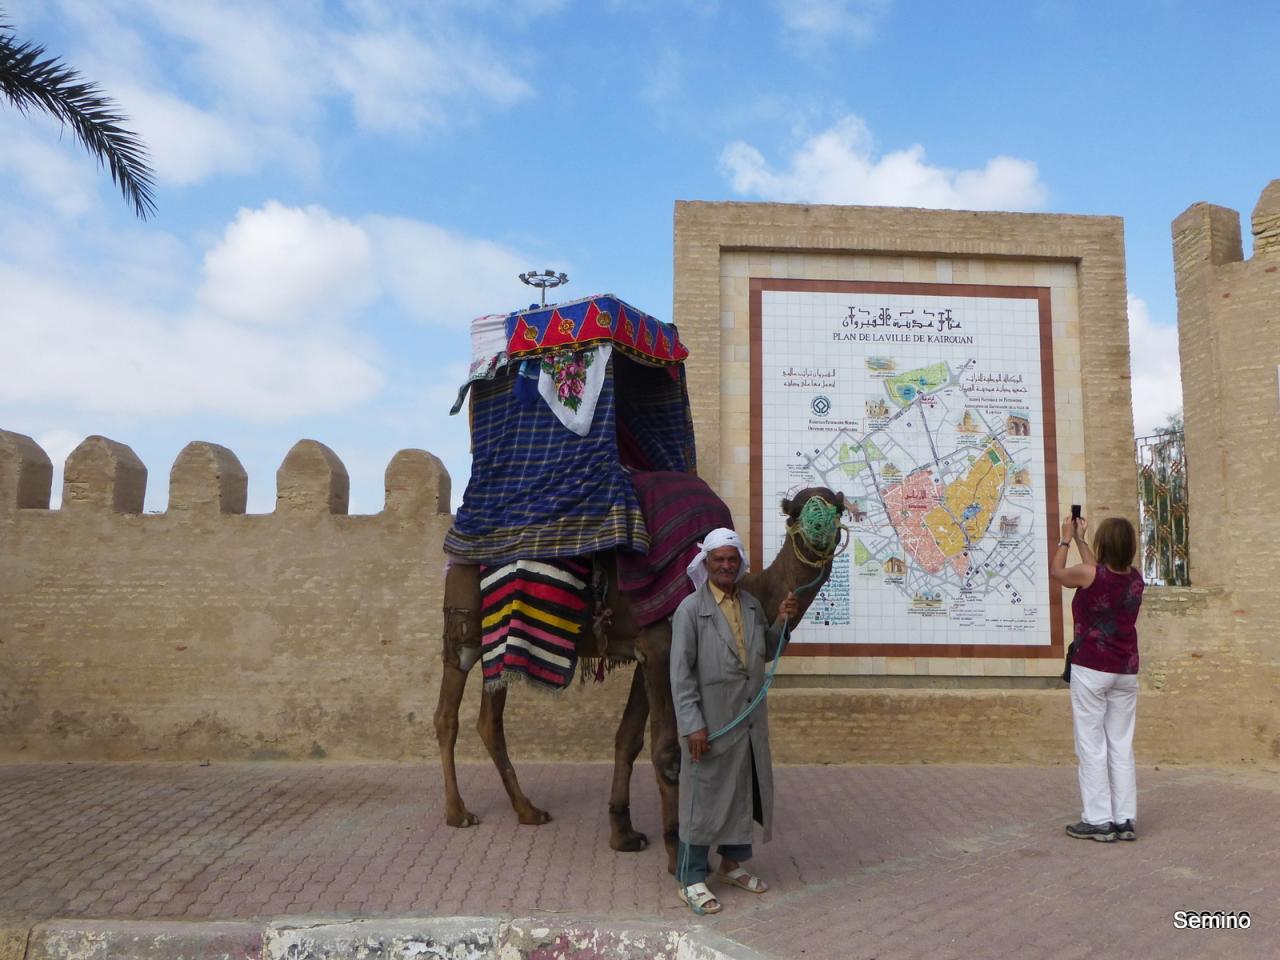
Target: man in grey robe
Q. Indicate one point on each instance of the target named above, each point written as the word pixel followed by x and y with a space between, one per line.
pixel 721 641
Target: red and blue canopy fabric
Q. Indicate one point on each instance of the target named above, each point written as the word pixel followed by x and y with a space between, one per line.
pixel 540 491
pixel 602 318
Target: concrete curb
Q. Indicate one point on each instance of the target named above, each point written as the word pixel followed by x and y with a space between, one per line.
pixel 375 938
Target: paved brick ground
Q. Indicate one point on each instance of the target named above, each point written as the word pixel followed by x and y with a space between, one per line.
pixel 867 861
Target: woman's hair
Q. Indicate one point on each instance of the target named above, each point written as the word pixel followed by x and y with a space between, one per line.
pixel 1115 543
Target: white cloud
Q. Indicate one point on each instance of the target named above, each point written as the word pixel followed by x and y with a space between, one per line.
pixel 269 335
pixel 99 355
pixel 841 165
pixel 285 265
pixel 826 21
pixel 65 180
pixel 400 83
pixel 231 86
pixel 1156 374
pixel 442 277
pixel 186 144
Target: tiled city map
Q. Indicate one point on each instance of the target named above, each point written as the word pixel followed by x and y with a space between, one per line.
pixel 927 413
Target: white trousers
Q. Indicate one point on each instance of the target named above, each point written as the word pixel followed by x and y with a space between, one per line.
pixel 1103 707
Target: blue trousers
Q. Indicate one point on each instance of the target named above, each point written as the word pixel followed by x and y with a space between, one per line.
pixel 695 869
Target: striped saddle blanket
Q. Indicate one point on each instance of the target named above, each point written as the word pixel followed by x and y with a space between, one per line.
pixel 532 614
pixel 679 510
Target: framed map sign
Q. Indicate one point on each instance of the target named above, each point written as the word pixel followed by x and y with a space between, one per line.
pixel 931 407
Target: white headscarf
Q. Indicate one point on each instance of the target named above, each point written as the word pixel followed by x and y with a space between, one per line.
pixel 720 537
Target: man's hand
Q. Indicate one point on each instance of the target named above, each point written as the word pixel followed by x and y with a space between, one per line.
pixel 699 744
pixel 789 607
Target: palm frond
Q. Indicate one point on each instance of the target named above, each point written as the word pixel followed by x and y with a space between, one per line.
pixel 31 80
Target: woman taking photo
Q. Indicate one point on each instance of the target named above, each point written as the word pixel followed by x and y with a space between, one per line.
pixel 1104 672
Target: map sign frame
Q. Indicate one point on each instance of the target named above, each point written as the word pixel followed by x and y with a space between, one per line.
pixel 983 522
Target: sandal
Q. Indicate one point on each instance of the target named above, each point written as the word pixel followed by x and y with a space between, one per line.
pixel 699 897
pixel 739 877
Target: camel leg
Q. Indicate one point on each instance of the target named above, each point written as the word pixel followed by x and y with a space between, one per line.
pixel 655 644
pixel 494 736
pixel 626 747
pixel 452 683
pixel 460 651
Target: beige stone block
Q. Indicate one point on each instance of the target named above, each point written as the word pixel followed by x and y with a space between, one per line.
pixel 1048 273
pixel 942 666
pixel 944 271
pixel 26 473
pixel 101 474
pixel 207 478
pixel 1012 273
pixel 312 480
pixel 417 483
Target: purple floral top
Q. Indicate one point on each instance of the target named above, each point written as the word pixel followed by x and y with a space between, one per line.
pixel 1106 614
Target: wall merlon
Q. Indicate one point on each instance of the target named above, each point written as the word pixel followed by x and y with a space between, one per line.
pixel 312 480
pixel 417 484
pixel 1266 222
pixel 26 473
pixel 102 474
pixel 207 479
pixel 1206 235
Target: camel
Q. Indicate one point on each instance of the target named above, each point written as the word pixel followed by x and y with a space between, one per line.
pixel 804 559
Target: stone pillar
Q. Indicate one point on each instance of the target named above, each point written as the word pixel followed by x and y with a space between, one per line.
pixel 312 480
pixel 104 475
pixel 1205 237
pixel 26 473
pixel 417 485
pixel 207 479
pixel 1266 222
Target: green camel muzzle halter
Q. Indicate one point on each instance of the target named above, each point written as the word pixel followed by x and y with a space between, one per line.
pixel 819 524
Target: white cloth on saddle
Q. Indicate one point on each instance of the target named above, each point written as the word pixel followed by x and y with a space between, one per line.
pixel 573 399
pixel 720 537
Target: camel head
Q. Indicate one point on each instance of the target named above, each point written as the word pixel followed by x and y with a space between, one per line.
pixel 813 520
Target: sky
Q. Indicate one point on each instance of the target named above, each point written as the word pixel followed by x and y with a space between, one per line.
pixel 343 185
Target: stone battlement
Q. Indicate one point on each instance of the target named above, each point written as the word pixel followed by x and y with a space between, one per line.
pixel 206 479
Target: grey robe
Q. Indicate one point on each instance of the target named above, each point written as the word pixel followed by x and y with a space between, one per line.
pixel 710 686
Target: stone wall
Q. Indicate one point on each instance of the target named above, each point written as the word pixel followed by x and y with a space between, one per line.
pixel 204 633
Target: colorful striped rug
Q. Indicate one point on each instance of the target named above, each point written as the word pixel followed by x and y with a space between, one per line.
pixel 532 614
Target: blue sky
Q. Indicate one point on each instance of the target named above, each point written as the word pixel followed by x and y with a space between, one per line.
pixel 342 186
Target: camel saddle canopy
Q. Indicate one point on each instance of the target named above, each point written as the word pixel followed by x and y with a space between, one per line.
pixel 567 401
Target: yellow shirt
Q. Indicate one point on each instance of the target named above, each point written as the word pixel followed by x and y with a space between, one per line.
pixel 731 607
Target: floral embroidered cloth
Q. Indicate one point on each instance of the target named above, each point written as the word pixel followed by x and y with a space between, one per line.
pixel 570 382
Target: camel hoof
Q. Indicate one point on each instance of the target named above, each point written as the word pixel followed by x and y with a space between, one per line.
pixel 533 817
pixel 464 819
pixel 631 842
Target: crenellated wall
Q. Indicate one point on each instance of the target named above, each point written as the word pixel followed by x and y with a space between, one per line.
pixel 206 633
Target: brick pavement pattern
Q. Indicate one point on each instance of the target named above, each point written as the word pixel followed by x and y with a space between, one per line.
pixel 867 861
